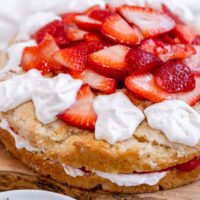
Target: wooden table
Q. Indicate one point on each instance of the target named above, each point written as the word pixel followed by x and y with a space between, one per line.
pixel 14 175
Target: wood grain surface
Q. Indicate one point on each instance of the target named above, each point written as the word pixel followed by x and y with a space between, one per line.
pixel 14 175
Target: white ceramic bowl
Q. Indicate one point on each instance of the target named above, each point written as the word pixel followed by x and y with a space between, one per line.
pixel 32 195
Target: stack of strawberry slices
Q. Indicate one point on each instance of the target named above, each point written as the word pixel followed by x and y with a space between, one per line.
pixel 151 52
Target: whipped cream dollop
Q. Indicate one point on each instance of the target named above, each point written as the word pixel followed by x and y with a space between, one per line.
pixel 15 52
pixel 117 118
pixel 34 23
pixel 176 119
pixel 49 95
pixel 20 142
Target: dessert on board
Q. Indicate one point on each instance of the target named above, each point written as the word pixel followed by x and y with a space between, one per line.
pixel 105 98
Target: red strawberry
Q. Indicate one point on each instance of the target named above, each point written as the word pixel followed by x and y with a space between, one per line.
pixel 69 17
pixel 87 23
pixel 168 12
pixel 60 36
pixel 93 37
pixel 193 62
pixel 81 114
pixel 175 77
pixel 91 9
pixel 73 33
pixel 75 57
pixel 171 52
pixel 185 33
pixel 196 40
pixel 32 59
pixel 145 86
pixel 96 81
pixel 148 45
pixel 151 22
pixel 47 48
pixel 140 61
pixel 50 29
pixel 100 14
pixel 110 61
pixel 117 29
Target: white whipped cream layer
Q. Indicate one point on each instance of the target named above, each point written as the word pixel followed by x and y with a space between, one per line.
pixel 133 179
pixel 49 95
pixel 176 119
pixel 20 142
pixel 117 118
pixel 15 52
pixel 34 23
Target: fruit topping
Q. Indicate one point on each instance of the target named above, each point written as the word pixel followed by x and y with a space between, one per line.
pixel 87 23
pixel 150 22
pixel 145 86
pixel 140 61
pixel 168 12
pixel 91 9
pixel 100 14
pixel 96 81
pixel 81 114
pixel 175 77
pixel 196 40
pixel 193 62
pixel 117 29
pixel 185 33
pixel 75 57
pixel 32 59
pixel 69 17
pixel 50 29
pixel 73 33
pixel 110 61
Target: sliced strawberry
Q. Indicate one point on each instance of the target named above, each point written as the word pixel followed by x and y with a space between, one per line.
pixel 75 57
pixel 175 77
pixel 50 29
pixel 185 33
pixel 169 39
pixel 168 12
pixel 145 86
pixel 151 22
pixel 140 61
pixel 110 61
pixel 91 9
pixel 81 114
pixel 196 40
pixel 148 45
pixel 47 48
pixel 117 29
pixel 96 81
pixel 100 14
pixel 32 59
pixel 193 62
pixel 87 23
pixel 171 52
pixel 60 36
pixel 73 33
pixel 93 37
pixel 69 17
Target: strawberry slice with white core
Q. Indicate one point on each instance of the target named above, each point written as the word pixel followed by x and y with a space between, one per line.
pixel 73 33
pixel 87 23
pixel 96 81
pixel 193 62
pixel 48 47
pixel 151 22
pixel 145 86
pixel 110 61
pixel 117 29
pixel 81 114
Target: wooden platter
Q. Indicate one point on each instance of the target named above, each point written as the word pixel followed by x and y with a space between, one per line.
pixel 14 175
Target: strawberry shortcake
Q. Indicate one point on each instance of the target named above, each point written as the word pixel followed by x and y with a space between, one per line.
pixel 105 98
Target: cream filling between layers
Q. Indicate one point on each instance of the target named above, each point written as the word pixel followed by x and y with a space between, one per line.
pixel 119 179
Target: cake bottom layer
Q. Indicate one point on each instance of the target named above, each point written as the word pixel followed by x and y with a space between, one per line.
pixel 46 166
